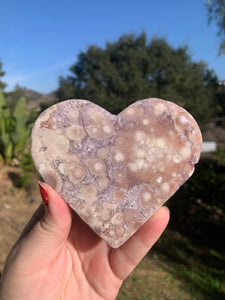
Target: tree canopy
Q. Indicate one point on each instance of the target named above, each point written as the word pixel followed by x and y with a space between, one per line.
pixel 2 73
pixel 216 12
pixel 134 68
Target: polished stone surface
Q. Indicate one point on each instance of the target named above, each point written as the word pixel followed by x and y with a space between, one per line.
pixel 116 171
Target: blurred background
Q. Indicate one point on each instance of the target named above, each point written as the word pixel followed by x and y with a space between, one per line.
pixel 114 53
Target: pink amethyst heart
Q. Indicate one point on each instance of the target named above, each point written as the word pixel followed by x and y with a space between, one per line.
pixel 115 171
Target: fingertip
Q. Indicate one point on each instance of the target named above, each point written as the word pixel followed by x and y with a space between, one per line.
pixel 50 195
pixel 156 223
pixel 44 194
pixel 163 213
pixel 166 210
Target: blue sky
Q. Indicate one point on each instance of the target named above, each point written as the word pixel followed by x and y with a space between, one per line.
pixel 40 40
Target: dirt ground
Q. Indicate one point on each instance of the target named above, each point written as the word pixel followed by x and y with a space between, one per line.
pixel 16 208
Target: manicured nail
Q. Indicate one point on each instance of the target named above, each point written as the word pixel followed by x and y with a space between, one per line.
pixel 44 194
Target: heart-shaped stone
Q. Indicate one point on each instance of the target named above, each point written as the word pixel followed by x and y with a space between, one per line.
pixel 115 171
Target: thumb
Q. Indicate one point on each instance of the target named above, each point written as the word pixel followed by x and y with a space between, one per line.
pixel 48 236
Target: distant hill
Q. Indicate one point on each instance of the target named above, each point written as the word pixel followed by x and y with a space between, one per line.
pixel 35 98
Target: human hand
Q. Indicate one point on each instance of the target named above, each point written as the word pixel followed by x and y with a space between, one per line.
pixel 59 257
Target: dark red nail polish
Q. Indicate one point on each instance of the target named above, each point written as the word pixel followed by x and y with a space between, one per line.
pixel 44 194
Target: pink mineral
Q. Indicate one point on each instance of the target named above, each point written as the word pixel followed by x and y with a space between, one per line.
pixel 115 171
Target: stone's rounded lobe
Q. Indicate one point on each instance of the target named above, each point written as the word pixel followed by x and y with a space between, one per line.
pixel 116 171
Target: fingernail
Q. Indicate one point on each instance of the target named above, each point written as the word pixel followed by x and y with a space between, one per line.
pixel 44 194
pixel 166 208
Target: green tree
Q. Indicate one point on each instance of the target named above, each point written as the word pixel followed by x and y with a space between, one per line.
pixel 2 73
pixel 133 68
pixel 216 12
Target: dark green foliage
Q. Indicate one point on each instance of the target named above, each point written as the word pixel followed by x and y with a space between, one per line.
pixel 198 208
pixel 216 12
pixel 220 101
pixel 7 125
pixel 200 267
pixel 2 73
pixel 134 68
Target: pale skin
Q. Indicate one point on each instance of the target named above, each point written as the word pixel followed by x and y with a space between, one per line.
pixel 59 257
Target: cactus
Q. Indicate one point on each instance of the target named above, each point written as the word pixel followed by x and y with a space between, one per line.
pixel 14 132
pixel 8 148
pixel 2 105
pixel 21 116
pixel 2 100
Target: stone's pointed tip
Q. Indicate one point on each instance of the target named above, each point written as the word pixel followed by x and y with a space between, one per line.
pixel 115 171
